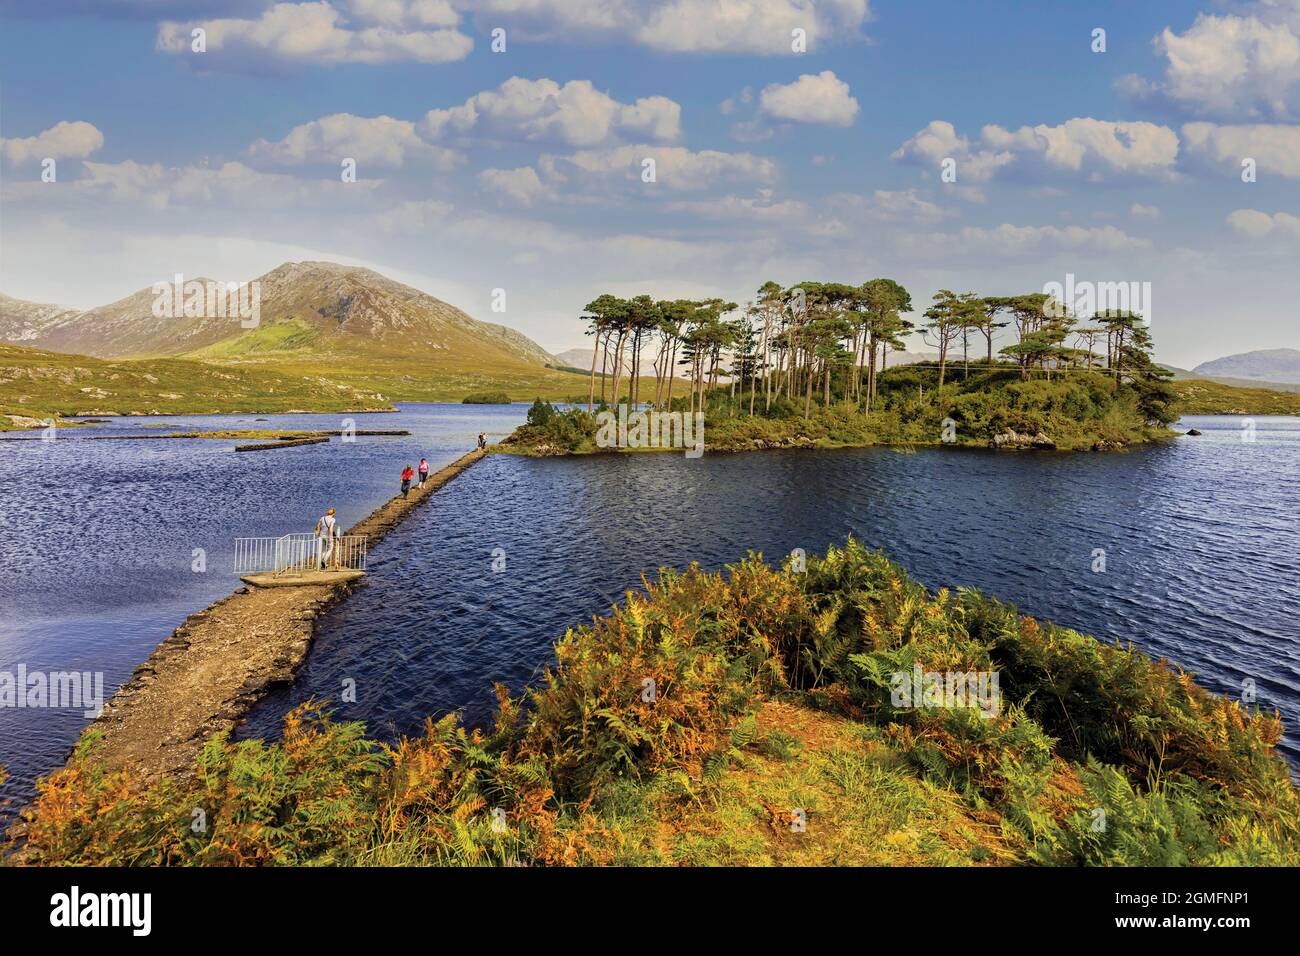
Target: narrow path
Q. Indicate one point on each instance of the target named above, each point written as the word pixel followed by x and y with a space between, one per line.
pixel 209 673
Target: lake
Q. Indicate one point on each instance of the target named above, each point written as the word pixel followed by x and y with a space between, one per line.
pixel 1199 536
pixel 99 536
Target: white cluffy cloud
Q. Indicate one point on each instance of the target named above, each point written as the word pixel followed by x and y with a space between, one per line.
pixel 522 186
pixel 1256 224
pixel 619 171
pixel 813 98
pixel 573 114
pixel 678 26
pixel 322 34
pixel 377 140
pixel 676 169
pixel 1008 239
pixel 230 185
pixel 1082 146
pixel 63 140
pixel 1231 66
pixel 1274 147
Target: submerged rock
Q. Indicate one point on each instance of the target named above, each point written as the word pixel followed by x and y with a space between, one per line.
pixel 1193 431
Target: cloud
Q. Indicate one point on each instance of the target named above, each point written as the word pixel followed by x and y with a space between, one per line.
pixel 229 185
pixel 821 98
pixel 728 106
pixel 1083 147
pixel 748 26
pixel 1008 239
pixel 120 9
pixel 521 185
pixel 377 140
pixel 885 205
pixel 1255 224
pixel 678 26
pixel 939 141
pixel 1229 66
pixel 319 34
pixel 63 140
pixel 676 169
pixel 761 208
pixel 573 114
pixel 400 14
pixel 1275 148
pixel 1143 212
pixel 831 217
pixel 412 217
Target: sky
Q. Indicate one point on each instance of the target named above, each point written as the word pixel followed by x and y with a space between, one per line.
pixel 506 145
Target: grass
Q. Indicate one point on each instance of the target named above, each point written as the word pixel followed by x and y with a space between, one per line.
pixel 809 789
pixel 750 716
pixel 462 364
pixel 486 398
pixel 227 434
pixel 270 369
pixel 1203 397
pixel 41 385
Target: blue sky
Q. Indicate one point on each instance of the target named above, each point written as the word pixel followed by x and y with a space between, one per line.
pixel 521 170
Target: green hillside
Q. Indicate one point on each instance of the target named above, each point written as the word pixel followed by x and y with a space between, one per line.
pixel 1204 397
pixel 40 385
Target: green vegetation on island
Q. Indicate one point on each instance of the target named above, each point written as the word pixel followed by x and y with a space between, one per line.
pixel 486 398
pixel 807 366
pixel 804 715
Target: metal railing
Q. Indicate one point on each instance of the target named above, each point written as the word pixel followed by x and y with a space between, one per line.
pixel 300 552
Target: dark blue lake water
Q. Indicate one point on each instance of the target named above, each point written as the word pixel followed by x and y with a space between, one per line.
pixel 1201 542
pixel 99 536
pixel 1200 537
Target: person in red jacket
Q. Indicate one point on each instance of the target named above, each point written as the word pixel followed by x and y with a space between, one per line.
pixel 407 474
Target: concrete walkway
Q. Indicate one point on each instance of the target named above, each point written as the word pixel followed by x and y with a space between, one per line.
pixel 209 673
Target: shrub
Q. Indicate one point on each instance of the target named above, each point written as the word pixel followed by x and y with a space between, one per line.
pixel 657 699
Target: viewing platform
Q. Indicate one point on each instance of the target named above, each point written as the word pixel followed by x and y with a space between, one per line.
pixel 297 560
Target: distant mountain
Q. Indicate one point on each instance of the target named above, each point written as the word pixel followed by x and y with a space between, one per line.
pixel 22 321
pixel 893 359
pixel 1265 365
pixel 581 359
pixel 305 307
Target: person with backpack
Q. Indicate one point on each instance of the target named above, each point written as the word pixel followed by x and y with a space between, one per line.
pixel 407 474
pixel 482 440
pixel 327 532
pixel 424 471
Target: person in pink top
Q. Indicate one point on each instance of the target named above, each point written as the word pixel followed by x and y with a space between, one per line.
pixel 424 470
